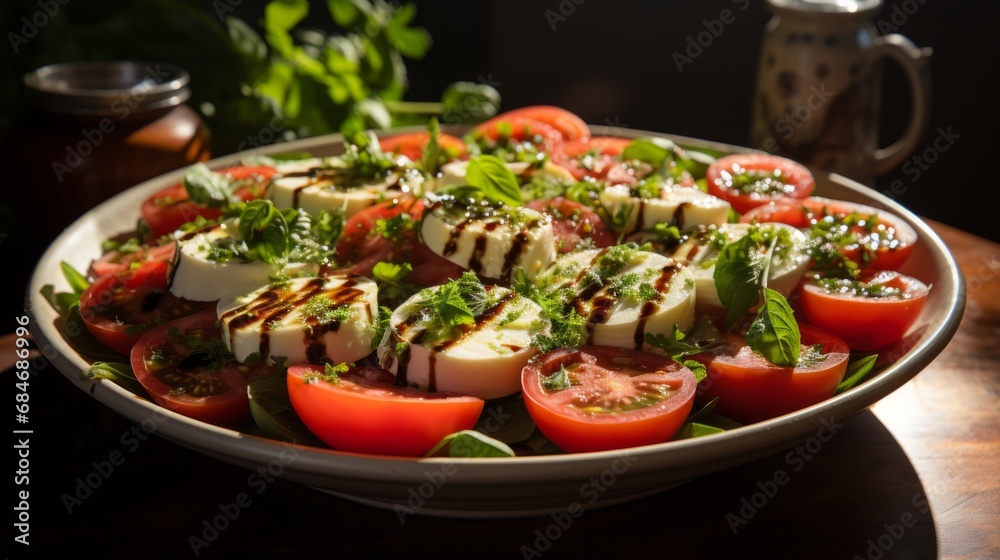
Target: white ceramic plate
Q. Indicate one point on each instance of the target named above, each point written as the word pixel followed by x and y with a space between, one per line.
pixel 510 487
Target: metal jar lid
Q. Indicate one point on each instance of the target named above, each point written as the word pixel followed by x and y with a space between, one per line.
pixel 107 88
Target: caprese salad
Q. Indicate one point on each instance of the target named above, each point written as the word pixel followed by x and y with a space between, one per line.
pixel 528 288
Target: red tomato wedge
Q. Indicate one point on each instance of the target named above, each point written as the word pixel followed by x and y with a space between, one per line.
pixel 180 366
pixel 747 181
pixel 590 157
pixel 522 129
pixel 412 145
pixel 116 261
pixel 871 237
pixel 751 389
pixel 573 222
pixel 869 313
pixel 599 397
pixel 569 125
pixel 363 411
pixel 118 307
pixel 170 208
pixel 361 247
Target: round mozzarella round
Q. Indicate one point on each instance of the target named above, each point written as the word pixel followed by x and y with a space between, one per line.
pixel 487 240
pixel 201 275
pixel 699 249
pixel 684 207
pixel 483 359
pixel 453 173
pixel 314 320
pixel 318 184
pixel 623 293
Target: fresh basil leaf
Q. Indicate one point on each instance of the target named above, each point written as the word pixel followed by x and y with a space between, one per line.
pixel 431 158
pixel 559 380
pixel 654 151
pixel 469 102
pixel 450 307
pixel 693 161
pixel 856 371
pixel 506 420
pixel 120 374
pixel 704 411
pixel 695 429
pixel 469 443
pixel 498 183
pixel 699 337
pixel 774 333
pixel 265 230
pixel 697 368
pixel 738 276
pixel 207 188
pixel 273 413
pixel 77 282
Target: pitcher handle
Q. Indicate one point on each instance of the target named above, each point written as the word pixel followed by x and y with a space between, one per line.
pixel 914 62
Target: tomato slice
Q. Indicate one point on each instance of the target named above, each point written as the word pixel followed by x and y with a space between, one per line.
pixel 363 411
pixel 170 208
pixel 590 157
pixel 747 181
pixel 569 125
pixel 116 261
pixel 118 307
pixel 869 313
pixel 361 247
pixel 188 370
pixel 751 389
pixel 871 237
pixel 599 397
pixel 544 136
pixel 573 222
pixel 412 145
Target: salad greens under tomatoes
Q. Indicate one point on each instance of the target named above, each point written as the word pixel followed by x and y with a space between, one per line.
pixel 504 265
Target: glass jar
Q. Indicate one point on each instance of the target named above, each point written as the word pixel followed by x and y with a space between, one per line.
pixel 97 128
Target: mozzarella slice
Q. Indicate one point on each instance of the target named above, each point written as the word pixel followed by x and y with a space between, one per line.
pixel 201 275
pixel 700 248
pixel 318 184
pixel 484 360
pixel 454 173
pixel 623 293
pixel 684 207
pixel 311 320
pixel 488 240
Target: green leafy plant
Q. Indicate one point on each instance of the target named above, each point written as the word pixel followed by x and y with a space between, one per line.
pixel 299 68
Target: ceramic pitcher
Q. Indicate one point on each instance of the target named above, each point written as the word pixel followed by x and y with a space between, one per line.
pixel 819 85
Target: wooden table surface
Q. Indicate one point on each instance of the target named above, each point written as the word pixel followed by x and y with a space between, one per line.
pixel 914 477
